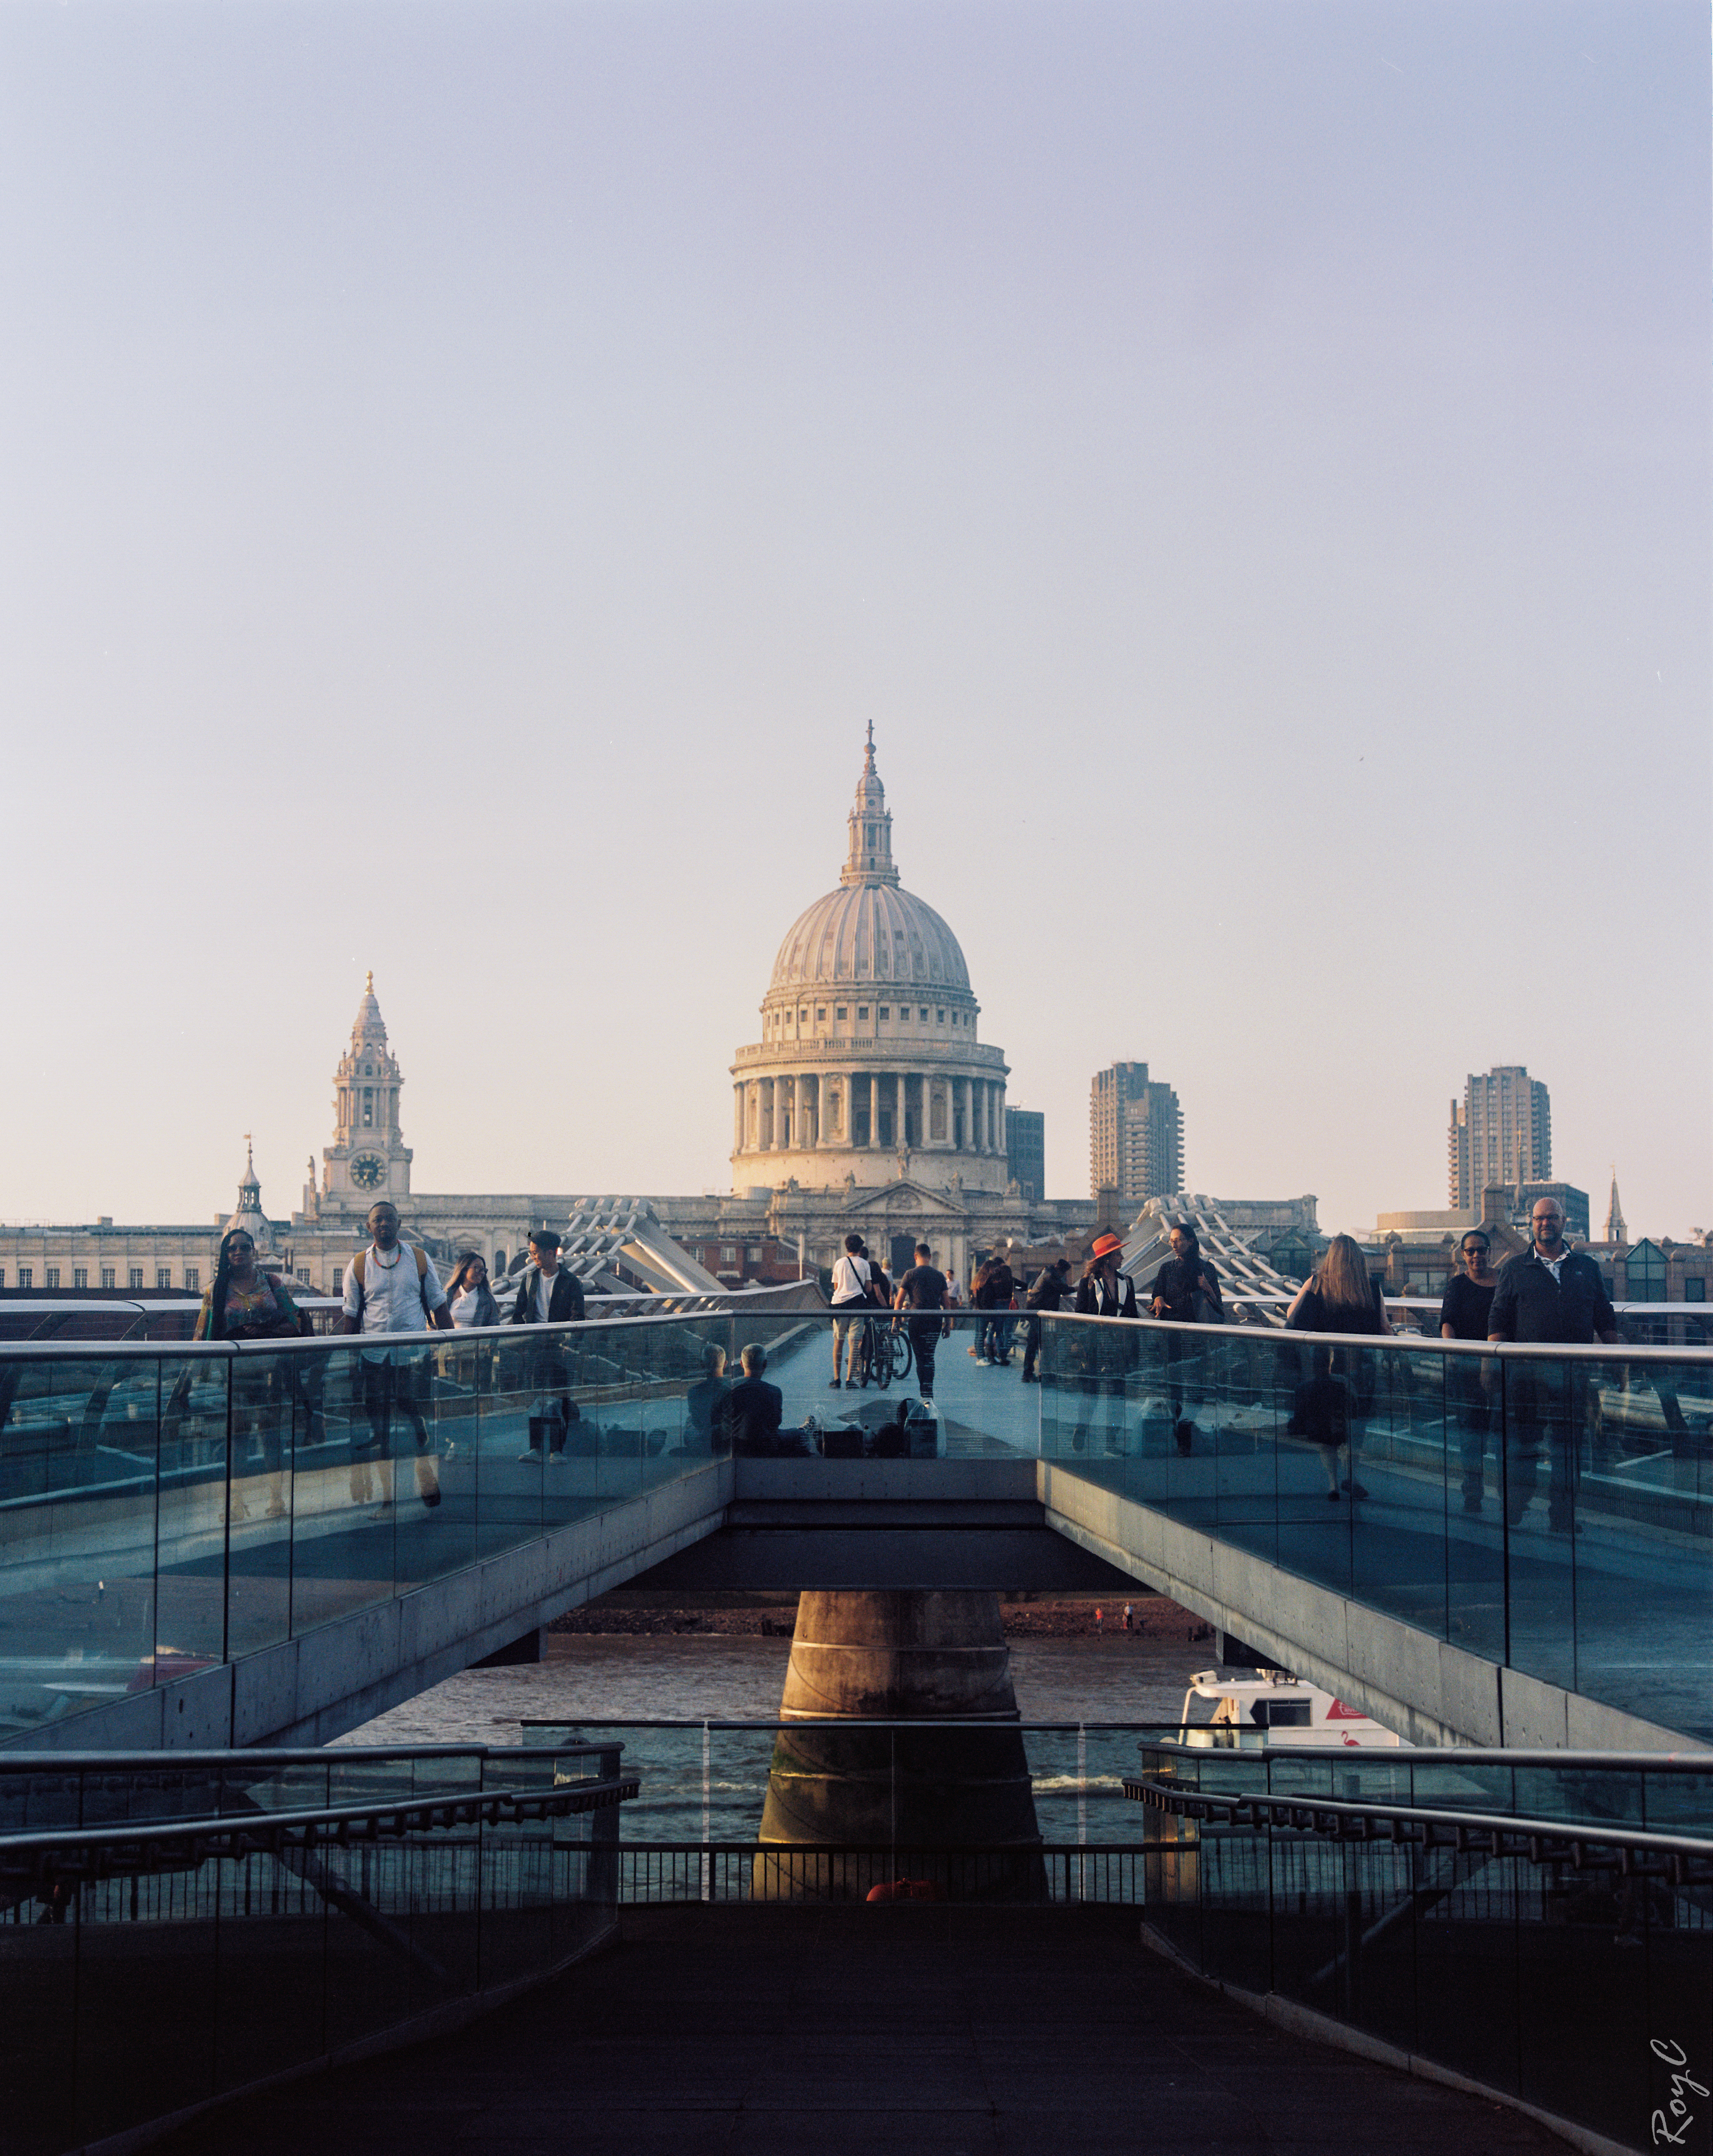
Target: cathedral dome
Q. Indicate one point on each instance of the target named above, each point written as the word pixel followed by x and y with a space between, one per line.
pixel 866 934
pixel 869 932
pixel 869 1069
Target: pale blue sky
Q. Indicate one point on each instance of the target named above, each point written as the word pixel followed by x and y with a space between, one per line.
pixel 469 473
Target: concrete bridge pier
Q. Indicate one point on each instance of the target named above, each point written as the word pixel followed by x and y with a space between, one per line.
pixel 915 1797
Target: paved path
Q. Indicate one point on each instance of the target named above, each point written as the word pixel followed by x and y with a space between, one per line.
pixel 855 2032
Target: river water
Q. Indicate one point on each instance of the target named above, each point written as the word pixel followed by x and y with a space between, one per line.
pixel 709 1784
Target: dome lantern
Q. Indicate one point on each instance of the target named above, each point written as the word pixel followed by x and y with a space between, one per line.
pixel 870 858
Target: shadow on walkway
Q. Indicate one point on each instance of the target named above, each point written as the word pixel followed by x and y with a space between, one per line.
pixel 852 2031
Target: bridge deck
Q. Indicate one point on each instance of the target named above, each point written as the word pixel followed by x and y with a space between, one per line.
pixel 1000 2033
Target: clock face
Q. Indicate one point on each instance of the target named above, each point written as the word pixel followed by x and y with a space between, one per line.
pixel 368 1170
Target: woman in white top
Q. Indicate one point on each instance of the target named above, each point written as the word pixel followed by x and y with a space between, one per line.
pixel 471 1301
pixel 469 1296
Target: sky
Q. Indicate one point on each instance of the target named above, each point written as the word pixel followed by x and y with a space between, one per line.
pixel 470 473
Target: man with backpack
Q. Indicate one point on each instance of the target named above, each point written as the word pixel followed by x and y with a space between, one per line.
pixel 853 1296
pixel 391 1287
pixel 549 1293
pixel 1047 1291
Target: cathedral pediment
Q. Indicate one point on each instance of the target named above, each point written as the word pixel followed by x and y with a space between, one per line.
pixel 905 1199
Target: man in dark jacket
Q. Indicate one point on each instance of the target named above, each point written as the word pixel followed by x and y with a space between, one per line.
pixel 548 1293
pixel 754 1410
pixel 1548 1293
pixel 1186 1293
pixel 1046 1291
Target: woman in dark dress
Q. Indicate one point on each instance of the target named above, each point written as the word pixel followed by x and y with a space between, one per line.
pixel 1462 1315
pixel 245 1303
pixel 1338 1297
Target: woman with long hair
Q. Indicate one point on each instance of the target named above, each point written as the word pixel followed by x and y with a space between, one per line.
pixel 1338 1297
pixel 468 1297
pixel 470 1302
pixel 243 1302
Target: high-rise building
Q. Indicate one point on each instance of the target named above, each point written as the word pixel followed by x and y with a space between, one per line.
pixel 1135 1136
pixel 1026 1150
pixel 1501 1133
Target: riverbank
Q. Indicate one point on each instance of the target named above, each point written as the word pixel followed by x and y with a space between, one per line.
pixel 658 1666
pixel 631 1613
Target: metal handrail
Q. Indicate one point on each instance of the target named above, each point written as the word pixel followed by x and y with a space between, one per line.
pixel 1686 1860
pixel 73 1761
pixel 97 1852
pixel 1413 1343
pixel 326 1344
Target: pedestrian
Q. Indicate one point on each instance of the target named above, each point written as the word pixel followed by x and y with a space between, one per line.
pixel 549 1293
pixel 1464 1310
pixel 1338 1297
pixel 391 1287
pixel 1126 1616
pixel 469 1300
pixel 923 1293
pixel 705 1406
pixel 995 1288
pixel 1548 1293
pixel 755 1409
pixel 1098 1621
pixel 1186 1293
pixel 470 1304
pixel 853 1298
pixel 1103 1292
pixel 243 1302
pixel 1046 1291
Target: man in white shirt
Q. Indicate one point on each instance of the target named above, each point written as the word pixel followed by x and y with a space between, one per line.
pixel 851 1303
pixel 392 1288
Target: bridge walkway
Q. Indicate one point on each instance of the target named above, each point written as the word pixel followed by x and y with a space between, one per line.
pixel 202 1547
pixel 738 2030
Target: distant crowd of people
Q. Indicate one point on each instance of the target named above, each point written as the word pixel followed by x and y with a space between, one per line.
pixel 1547 1294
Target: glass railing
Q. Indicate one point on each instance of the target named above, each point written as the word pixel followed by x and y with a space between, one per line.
pixel 706 1782
pixel 181 1932
pixel 1568 1963
pixel 1551 1510
pixel 164 1507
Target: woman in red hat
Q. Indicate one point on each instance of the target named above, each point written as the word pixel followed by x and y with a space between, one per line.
pixel 1103 1292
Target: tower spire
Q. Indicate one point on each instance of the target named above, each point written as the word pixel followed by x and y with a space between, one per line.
pixel 1615 1231
pixel 870 857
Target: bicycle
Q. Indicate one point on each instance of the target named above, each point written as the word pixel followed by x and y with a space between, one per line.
pixel 884 1352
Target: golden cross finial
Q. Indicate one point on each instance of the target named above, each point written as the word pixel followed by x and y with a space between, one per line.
pixel 370 990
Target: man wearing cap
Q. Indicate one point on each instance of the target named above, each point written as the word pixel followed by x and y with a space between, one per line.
pixel 549 1293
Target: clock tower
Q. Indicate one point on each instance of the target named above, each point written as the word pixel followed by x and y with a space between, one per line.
pixel 367 1159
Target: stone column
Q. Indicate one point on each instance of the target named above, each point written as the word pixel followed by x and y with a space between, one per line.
pixel 737 1099
pixel 912 1799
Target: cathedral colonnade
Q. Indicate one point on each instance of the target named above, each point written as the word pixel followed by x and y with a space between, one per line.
pixel 864 1107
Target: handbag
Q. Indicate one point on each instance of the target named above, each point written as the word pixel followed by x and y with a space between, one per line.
pixel 1320 1411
